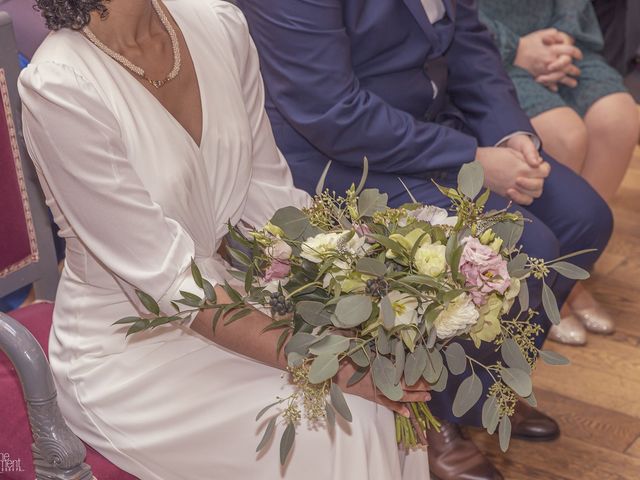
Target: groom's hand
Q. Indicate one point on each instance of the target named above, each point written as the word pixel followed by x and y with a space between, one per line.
pixel 522 143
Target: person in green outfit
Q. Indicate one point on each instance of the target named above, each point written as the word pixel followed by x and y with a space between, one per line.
pixel 577 104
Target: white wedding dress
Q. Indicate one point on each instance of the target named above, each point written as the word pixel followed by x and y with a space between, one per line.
pixel 136 199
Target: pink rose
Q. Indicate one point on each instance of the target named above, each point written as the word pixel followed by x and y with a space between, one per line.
pixel 363 230
pixel 485 271
pixel 277 270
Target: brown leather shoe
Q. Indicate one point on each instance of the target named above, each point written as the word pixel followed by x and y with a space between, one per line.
pixel 454 457
pixel 533 425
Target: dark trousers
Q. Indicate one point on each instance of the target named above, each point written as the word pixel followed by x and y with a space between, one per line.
pixel 568 217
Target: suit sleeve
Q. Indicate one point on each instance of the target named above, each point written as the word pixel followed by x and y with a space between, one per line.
pixel 505 39
pixel 306 61
pixel 478 83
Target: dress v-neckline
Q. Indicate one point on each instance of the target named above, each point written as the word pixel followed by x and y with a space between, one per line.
pixel 155 100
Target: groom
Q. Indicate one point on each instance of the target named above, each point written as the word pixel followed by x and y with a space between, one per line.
pixel 418 87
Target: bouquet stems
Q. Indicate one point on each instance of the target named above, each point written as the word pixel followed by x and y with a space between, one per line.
pixel 412 431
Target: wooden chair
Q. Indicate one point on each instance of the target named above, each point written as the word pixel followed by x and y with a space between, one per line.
pixel 27 256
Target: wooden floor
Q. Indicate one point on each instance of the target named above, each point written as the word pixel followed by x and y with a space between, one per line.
pixel 597 398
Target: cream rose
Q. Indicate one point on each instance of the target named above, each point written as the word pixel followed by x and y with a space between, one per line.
pixel 430 259
pixel 457 318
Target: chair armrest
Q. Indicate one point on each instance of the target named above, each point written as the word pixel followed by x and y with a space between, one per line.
pixel 57 453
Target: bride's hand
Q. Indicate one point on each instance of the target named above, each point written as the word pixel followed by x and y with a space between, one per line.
pixel 365 388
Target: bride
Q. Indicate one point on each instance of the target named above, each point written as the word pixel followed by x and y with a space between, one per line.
pixel 145 121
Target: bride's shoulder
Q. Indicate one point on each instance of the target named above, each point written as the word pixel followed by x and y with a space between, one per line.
pixel 224 13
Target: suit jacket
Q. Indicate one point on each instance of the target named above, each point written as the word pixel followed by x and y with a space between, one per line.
pixel 349 78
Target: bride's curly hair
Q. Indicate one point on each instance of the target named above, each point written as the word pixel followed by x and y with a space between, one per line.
pixel 73 14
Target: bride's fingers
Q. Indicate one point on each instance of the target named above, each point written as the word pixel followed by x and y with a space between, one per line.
pixel 397 407
pixel 420 386
pixel 416 397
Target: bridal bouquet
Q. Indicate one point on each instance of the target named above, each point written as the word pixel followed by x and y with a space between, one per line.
pixel 395 291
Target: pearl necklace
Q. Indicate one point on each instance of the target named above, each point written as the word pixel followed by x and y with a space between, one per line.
pixel 177 61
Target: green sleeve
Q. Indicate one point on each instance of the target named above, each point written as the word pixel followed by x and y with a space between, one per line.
pixel 578 19
pixel 505 39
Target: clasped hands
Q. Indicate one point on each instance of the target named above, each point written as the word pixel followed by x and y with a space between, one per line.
pixel 548 55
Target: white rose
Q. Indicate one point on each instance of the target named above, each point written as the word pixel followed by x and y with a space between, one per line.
pixel 279 250
pixel 430 259
pixel 457 318
pixel 314 248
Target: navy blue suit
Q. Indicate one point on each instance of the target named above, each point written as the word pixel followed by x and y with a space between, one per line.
pixel 348 78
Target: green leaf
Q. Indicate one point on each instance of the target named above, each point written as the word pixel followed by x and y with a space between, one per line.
pixel 517 264
pixel 313 313
pixel 504 433
pixel 126 320
pixel 281 340
pixel 512 355
pixel 294 359
pixel 531 400
pixel 365 173
pixel 388 313
pixel 241 257
pixel 268 434
pixel 550 305
pixel 331 415
pixel 353 310
pixel 238 315
pixel 300 343
pixel 266 409
pixel 323 179
pixel 360 358
pixel 233 293
pixel 569 270
pixel 452 245
pixel 209 291
pixel 323 368
pixel 441 384
pixel 331 344
pixel 292 221
pixel 371 266
pixel 471 179
pixel 339 403
pixel 195 273
pixel 490 414
pixel 510 232
pixel 138 327
pixel 482 201
pixel 400 360
pixel 523 296
pixel 415 365
pixel 456 358
pixel 422 280
pixel 149 303
pixel 518 380
pixel 191 296
pixel 435 365
pixel 371 201
pixel 382 342
pixel 553 358
pixel 286 442
pixel 358 375
pixel 384 378
pixel 389 244
pixel 467 396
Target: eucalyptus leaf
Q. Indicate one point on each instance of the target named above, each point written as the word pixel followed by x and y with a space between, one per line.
pixel 353 310
pixel 339 403
pixel 294 359
pixel 382 342
pixel 371 266
pixel 512 355
pixel 300 343
pixel 467 396
pixel 384 378
pixel 504 433
pixel 523 296
pixel 268 434
pixel 371 201
pixel 517 264
pixel 323 368
pixel 365 173
pixel 414 366
pixel 400 359
pixel 553 358
pixel 360 358
pixel 441 384
pixel 531 400
pixel 358 375
pixel 518 380
pixel 323 178
pixel 331 415
pixel 456 358
pixel 388 313
pixel 286 442
pixel 292 221
pixel 569 270
pixel 471 179
pixel 510 232
pixel 434 366
pixel 331 344
pixel 550 304
pixel 490 414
